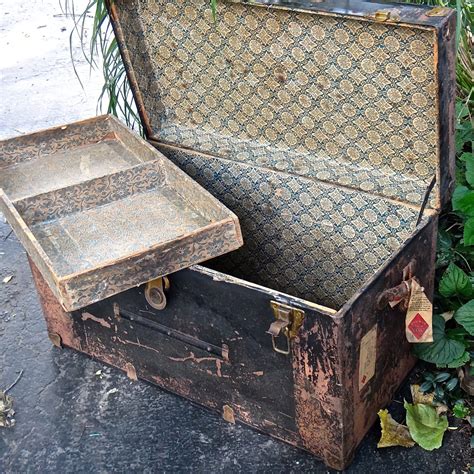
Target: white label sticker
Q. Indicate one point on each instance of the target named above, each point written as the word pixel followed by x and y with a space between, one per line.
pixel 367 357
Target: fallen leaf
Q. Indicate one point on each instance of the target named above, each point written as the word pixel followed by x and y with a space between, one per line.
pixel 427 399
pixel 6 411
pixel 393 433
pixel 419 397
pixel 426 426
pixel 7 279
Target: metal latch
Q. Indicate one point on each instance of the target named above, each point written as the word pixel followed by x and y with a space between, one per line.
pixel 288 322
pixel 382 15
pixel 155 294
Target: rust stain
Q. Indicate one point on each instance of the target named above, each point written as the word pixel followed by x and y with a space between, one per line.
pixel 101 321
pixel 244 414
pixel 58 321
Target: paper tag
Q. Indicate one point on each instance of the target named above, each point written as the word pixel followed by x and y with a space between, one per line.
pixel 397 300
pixel 367 357
pixel 419 319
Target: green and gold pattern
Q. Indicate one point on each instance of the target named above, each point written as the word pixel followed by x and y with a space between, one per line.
pixel 341 100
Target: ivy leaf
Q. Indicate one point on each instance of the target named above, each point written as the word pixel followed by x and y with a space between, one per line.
pixel 469 231
pixel 393 433
pixel 442 350
pixel 426 426
pixel 455 282
pixel 465 317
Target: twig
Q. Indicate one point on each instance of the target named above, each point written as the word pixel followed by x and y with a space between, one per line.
pixel 8 235
pixel 15 382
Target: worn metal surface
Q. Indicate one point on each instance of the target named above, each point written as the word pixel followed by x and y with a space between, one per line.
pixel 68 216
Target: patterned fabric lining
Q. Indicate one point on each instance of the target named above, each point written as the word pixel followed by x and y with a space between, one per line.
pixel 309 122
pixel 301 92
pixel 306 238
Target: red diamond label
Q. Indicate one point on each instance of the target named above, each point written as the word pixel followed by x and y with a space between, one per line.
pixel 418 326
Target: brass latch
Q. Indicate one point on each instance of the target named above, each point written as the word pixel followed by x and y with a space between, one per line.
pixel 382 15
pixel 155 294
pixel 288 322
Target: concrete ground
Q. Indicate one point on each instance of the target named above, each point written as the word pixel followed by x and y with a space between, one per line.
pixel 74 414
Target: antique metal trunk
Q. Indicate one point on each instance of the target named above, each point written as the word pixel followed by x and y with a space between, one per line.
pixel 327 128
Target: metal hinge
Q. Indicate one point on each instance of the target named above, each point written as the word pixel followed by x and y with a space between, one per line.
pixel 438 11
pixel 155 294
pixel 288 322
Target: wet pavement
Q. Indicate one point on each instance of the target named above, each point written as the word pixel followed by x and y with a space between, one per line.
pixel 74 414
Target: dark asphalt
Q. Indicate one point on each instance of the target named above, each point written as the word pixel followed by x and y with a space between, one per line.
pixel 74 414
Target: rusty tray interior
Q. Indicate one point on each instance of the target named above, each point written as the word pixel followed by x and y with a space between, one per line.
pixel 99 210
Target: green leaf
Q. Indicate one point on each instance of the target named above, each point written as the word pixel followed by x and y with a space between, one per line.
pixel 465 317
pixel 466 157
pixel 439 393
pixel 469 231
pixel 469 168
pixel 452 384
pixel 455 282
pixel 459 362
pixel 429 376
pixel 465 204
pixel 460 410
pixel 459 193
pixel 444 249
pixel 442 376
pixel 426 426
pixel 426 386
pixel 442 350
pixel 458 333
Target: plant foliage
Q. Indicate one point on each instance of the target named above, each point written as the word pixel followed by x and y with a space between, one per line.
pixel 426 426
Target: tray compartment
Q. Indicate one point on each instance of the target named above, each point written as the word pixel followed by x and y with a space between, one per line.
pixel 66 155
pixel 102 236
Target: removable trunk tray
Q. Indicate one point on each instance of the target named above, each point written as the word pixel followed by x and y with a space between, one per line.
pixel 139 218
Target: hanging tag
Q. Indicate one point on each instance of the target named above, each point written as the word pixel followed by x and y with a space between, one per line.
pixel 419 319
pixel 400 298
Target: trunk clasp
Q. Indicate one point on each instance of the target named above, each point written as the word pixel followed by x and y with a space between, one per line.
pixel 288 322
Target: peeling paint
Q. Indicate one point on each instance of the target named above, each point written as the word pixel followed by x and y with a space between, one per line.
pixel 198 360
pixel 86 316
